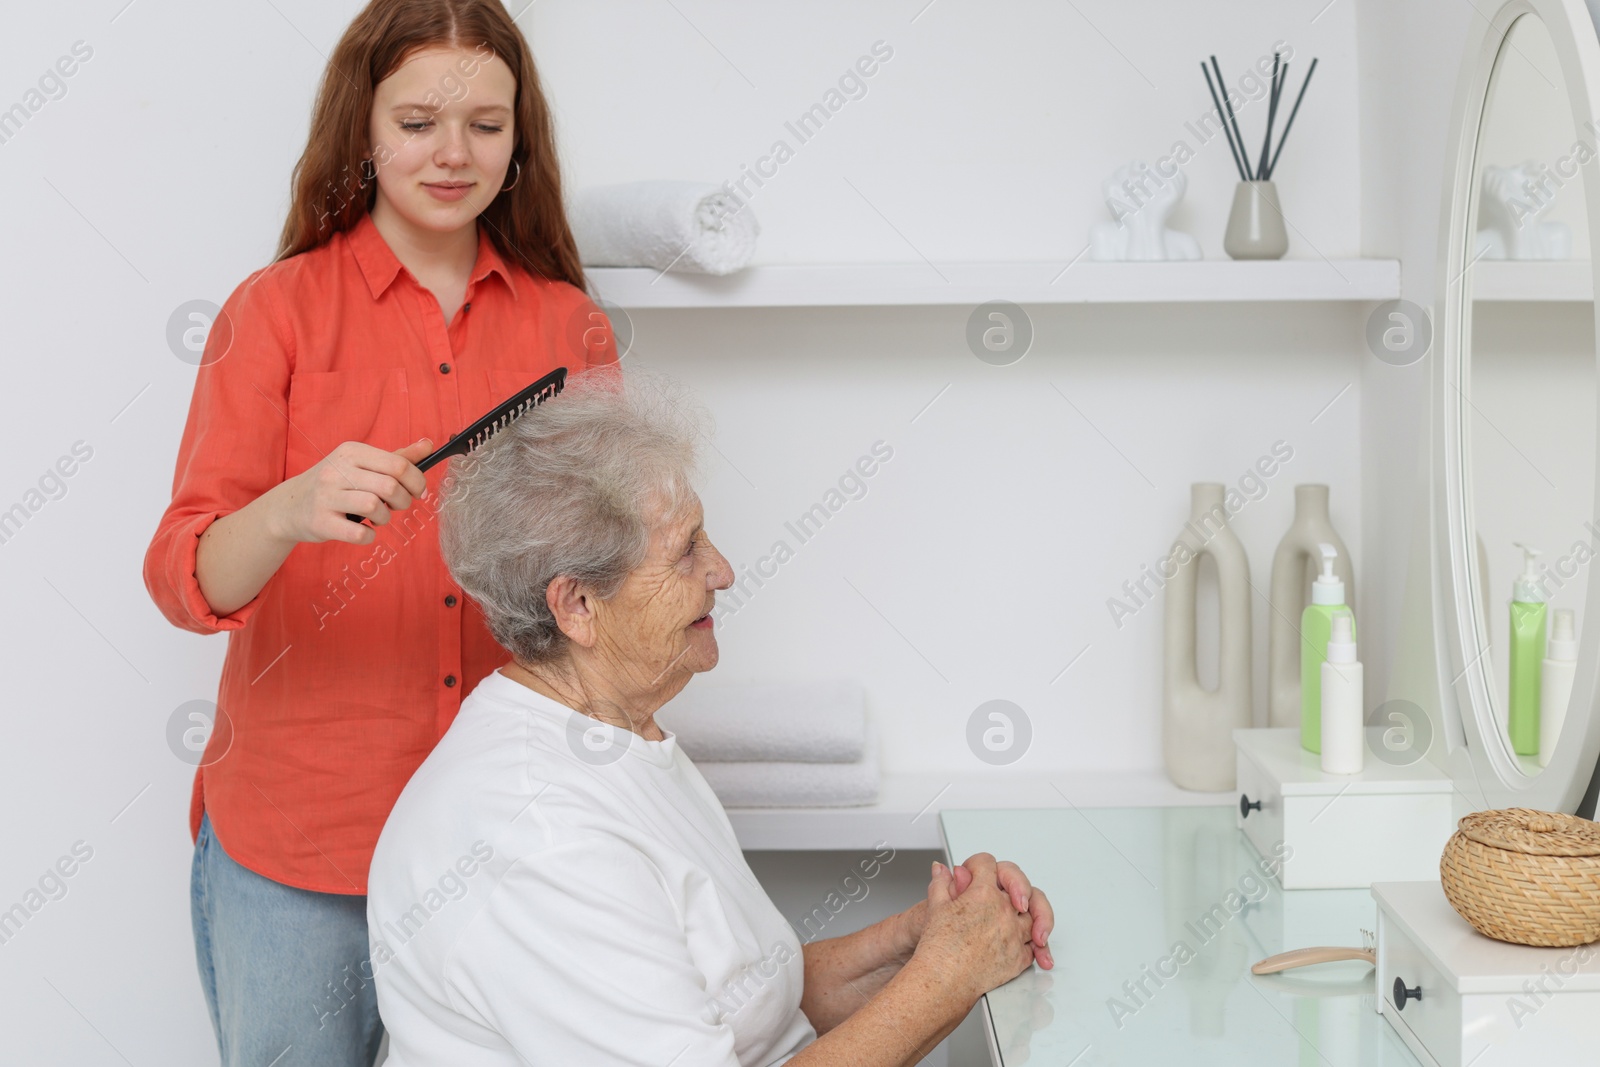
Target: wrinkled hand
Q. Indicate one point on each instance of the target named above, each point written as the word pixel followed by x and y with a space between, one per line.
pixel 1024 896
pixel 975 941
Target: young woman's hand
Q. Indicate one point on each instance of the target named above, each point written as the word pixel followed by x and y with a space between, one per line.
pixel 977 938
pixel 354 478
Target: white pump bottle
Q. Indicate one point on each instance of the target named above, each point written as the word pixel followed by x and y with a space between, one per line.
pixel 1555 682
pixel 1342 706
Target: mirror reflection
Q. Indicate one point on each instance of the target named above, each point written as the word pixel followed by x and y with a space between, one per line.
pixel 1529 393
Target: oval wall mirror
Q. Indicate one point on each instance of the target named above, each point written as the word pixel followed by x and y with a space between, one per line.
pixel 1516 407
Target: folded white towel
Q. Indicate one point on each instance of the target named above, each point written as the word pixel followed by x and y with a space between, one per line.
pixel 801 722
pixel 681 226
pixel 796 785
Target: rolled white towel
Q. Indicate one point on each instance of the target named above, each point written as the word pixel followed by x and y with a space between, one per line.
pixel 800 722
pixel 766 784
pixel 681 226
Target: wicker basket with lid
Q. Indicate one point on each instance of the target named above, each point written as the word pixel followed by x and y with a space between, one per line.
pixel 1524 876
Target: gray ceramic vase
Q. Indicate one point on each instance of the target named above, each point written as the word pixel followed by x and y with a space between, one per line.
pixel 1197 724
pixel 1255 225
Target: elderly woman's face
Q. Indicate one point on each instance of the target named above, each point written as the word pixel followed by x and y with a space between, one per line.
pixel 658 627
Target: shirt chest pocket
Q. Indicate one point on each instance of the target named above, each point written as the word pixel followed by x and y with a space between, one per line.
pixel 328 408
pixel 505 384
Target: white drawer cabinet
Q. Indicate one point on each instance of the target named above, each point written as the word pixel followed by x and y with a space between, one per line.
pixel 1339 831
pixel 1457 997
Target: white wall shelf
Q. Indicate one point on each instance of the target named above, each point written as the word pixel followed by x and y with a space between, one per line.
pixel 907 812
pixel 1084 282
pixel 1550 280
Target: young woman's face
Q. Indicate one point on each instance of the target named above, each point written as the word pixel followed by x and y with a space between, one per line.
pixel 442 133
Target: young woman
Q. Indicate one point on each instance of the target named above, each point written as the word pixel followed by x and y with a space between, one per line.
pixel 426 272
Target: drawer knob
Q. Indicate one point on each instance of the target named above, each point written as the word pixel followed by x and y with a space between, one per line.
pixel 1246 805
pixel 1402 994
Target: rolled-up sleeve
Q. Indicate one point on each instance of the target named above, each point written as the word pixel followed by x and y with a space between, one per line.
pixel 580 956
pixel 232 449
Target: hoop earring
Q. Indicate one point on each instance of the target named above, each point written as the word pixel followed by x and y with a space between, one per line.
pixel 363 167
pixel 516 178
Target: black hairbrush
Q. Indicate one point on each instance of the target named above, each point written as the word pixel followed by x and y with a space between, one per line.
pixel 475 436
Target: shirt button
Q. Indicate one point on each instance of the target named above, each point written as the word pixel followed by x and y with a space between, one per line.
pixel 467 306
pixel 444 368
pixel 450 679
pixel 450 601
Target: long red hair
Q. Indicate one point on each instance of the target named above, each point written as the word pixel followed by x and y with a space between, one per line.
pixel 527 224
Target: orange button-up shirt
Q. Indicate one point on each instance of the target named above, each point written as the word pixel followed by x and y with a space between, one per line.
pixel 351 662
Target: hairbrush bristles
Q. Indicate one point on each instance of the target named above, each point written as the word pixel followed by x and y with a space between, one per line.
pixel 480 432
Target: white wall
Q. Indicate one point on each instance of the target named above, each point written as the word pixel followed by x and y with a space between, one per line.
pixel 980 561
pixel 991 541
pixel 1410 55
pixel 985 137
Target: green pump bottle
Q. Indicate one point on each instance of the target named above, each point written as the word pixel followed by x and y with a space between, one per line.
pixel 1527 652
pixel 1316 625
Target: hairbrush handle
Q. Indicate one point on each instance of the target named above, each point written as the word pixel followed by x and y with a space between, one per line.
pixel 504 414
pixel 1304 957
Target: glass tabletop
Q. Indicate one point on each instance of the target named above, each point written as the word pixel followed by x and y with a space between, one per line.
pixel 1159 914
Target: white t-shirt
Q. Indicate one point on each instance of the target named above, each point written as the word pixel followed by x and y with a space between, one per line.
pixel 534 899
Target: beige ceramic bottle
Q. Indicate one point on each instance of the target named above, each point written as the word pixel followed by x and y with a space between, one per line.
pixel 1295 564
pixel 1197 724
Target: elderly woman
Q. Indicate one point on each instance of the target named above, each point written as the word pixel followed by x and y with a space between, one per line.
pixel 557 884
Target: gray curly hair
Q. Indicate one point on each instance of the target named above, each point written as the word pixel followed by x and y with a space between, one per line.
pixel 571 487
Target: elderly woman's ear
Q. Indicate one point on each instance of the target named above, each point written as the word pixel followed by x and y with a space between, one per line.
pixel 569 601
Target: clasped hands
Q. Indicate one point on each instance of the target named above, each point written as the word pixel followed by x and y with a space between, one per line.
pixel 1008 877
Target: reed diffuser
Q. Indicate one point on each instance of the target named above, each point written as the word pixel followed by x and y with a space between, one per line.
pixel 1255 225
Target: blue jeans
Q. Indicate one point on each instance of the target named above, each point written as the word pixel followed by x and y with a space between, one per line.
pixel 285 970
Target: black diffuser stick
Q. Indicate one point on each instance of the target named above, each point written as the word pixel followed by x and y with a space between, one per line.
pixel 1223 119
pixel 1222 87
pixel 1272 111
pixel 1292 113
pixel 1277 91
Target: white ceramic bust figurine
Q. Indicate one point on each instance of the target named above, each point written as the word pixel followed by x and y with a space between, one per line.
pixel 1509 209
pixel 1141 200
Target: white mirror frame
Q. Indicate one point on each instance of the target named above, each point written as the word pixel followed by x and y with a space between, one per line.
pixel 1485 772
